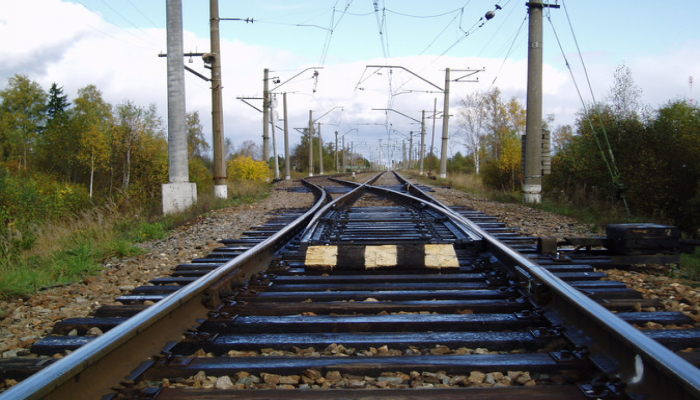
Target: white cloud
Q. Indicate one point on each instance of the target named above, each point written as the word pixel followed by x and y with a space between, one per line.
pixel 75 47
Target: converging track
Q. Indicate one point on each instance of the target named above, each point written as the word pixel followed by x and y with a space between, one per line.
pixel 374 292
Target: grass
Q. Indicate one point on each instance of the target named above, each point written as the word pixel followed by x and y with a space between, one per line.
pixel 68 251
pixel 689 268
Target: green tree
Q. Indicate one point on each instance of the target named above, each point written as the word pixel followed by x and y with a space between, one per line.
pixel 22 116
pixel 92 121
pixel 199 164
pixel 138 151
pixel 57 142
pixel 197 145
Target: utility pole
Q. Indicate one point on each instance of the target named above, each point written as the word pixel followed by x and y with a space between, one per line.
pixel 410 150
pixel 345 156
pixel 432 137
pixel 445 126
pixel 404 162
pixel 214 58
pixel 287 169
pixel 422 141
pixel 311 143
pixel 320 151
pixel 336 152
pixel 446 91
pixel 179 193
pixel 273 121
pixel 266 118
pixel 532 184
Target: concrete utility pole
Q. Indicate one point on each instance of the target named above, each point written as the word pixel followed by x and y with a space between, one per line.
pixel 320 151
pixel 404 161
pixel 432 137
pixel 273 121
pixel 311 143
pixel 445 126
pixel 266 115
pixel 345 155
pixel 532 184
pixel 410 150
pixel 422 141
pixel 214 58
pixel 287 168
pixel 336 152
pixel 179 193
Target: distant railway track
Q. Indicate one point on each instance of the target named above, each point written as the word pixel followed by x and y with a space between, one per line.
pixel 375 291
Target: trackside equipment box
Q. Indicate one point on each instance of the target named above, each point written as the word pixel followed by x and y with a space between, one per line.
pixel 628 239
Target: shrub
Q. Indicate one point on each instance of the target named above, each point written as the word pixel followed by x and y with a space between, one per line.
pixel 244 168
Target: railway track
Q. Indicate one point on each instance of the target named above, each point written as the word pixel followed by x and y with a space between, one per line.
pixel 376 291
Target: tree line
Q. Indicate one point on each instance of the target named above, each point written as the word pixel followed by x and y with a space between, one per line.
pixel 619 151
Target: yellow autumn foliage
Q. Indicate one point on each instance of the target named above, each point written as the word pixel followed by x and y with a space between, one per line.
pixel 244 168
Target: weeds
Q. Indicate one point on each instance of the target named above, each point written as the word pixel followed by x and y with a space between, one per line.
pixel 71 249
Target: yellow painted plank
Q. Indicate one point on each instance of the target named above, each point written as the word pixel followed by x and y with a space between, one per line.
pixel 380 256
pixel 440 256
pixel 322 256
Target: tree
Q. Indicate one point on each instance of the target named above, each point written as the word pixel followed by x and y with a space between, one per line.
pixel 505 125
pixel 562 135
pixel 471 124
pixel 22 116
pixel 92 116
pixel 249 149
pixel 57 144
pixel 139 147
pixel 197 146
pixel 625 95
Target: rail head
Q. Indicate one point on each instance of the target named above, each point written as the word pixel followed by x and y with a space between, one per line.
pixel 188 304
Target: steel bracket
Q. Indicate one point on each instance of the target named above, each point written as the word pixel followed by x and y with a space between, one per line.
pixel 603 390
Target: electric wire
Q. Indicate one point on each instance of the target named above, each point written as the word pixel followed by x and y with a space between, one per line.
pixel 495 34
pixel 129 21
pixel 610 164
pixel 329 36
pixel 512 46
pixel 150 44
pixel 143 15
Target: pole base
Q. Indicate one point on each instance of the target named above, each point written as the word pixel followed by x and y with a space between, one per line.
pixel 178 196
pixel 532 194
pixel 221 191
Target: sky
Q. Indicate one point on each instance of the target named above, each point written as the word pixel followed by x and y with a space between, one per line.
pixel 114 44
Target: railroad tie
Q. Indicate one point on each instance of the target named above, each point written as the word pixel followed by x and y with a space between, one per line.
pixel 362 257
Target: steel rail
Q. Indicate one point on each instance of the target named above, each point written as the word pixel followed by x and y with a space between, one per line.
pixel 79 375
pixel 645 368
pixel 367 186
